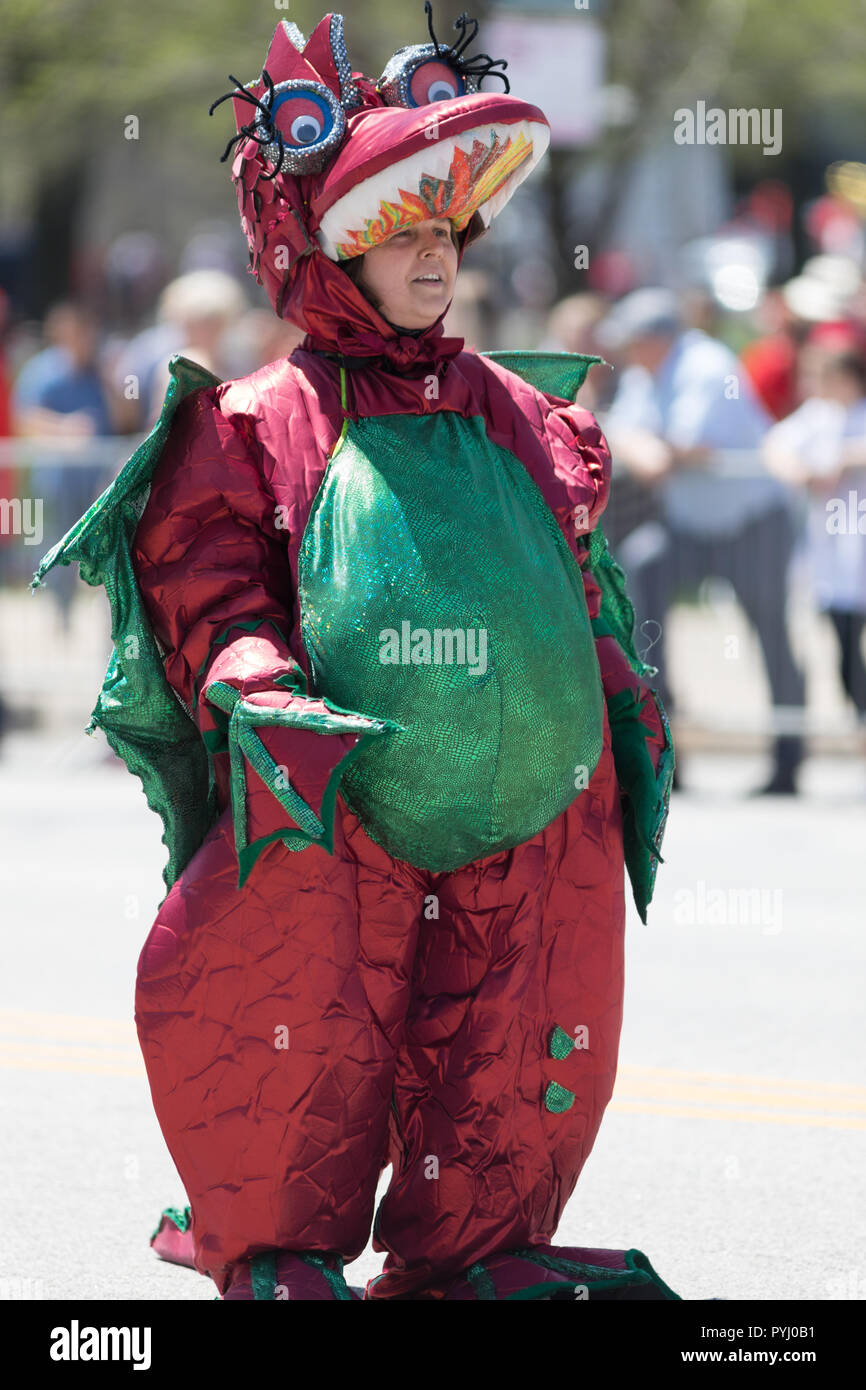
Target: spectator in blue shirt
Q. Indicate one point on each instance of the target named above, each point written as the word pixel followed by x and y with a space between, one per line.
pixel 60 390
pixel 59 394
pixel 683 409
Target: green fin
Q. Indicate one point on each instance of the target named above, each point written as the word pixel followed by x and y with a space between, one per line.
pixel 143 719
pixel 558 1099
pixel 560 1044
pixel 554 373
pixel 648 794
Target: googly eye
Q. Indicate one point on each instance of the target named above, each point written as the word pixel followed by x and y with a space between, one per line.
pixel 434 82
pixel 306 129
pixel 420 75
pixel 310 124
pixel 302 117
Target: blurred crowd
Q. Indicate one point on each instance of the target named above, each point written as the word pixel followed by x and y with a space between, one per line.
pixel 729 465
pixel 738 435
pixel 78 391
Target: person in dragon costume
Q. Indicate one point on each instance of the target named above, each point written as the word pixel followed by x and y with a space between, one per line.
pixel 374 665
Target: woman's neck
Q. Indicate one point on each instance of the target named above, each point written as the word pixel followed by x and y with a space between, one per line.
pixel 409 332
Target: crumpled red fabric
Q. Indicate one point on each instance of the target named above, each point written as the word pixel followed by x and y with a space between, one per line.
pixel 409 1036
pixel 398 353
pixel 216 549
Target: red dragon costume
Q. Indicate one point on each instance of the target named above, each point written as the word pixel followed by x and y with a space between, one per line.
pixel 375 668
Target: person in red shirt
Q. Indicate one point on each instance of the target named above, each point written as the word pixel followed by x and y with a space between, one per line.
pixel 771 361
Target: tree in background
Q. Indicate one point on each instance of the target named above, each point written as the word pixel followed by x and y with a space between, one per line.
pixel 72 73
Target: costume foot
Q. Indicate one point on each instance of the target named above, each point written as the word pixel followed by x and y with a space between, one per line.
pixel 172 1239
pixel 557 1273
pixel 288 1274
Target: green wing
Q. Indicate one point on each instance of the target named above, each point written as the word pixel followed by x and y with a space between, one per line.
pixel 647 801
pixel 556 373
pixel 143 718
pixel 153 731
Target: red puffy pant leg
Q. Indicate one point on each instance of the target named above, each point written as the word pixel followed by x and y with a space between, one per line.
pixel 269 1018
pixel 526 941
pixel 273 1022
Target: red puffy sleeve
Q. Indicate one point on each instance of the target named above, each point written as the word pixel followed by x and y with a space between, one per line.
pixel 212 567
pixel 581 459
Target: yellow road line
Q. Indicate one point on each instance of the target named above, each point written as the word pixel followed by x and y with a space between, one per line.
pixel 91 1069
pixel 84 1067
pixel 672 1073
pixel 72 1050
pixel 748 1116
pixel 27 1024
pixel 729 1095
pixel 34 1041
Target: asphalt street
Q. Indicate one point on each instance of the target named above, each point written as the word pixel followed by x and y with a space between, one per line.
pixel 732 1153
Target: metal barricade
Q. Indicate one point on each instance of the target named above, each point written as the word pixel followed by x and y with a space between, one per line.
pixel 46 484
pixel 731 671
pixel 730 619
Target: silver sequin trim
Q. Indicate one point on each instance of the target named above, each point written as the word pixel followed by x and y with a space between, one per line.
pixel 308 159
pixel 393 85
pixel 349 94
pixel 294 35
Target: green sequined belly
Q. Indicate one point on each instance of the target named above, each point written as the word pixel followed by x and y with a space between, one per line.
pixel 437 590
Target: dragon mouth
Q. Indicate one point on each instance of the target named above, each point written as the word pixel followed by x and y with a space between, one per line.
pixel 455 174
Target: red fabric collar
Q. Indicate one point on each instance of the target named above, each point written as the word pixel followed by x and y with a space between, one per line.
pixel 337 318
pixel 402 353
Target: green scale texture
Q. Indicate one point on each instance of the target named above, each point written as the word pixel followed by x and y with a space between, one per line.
pixel 154 732
pixel 422 520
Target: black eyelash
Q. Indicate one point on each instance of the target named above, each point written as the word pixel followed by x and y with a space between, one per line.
pixel 251 132
pixel 480 65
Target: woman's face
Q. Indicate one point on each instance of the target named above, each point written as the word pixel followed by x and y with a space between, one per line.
pixel 410 277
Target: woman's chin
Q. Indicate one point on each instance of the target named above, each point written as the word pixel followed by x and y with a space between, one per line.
pixel 414 323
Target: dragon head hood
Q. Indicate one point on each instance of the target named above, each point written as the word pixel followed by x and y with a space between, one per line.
pixel 329 164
